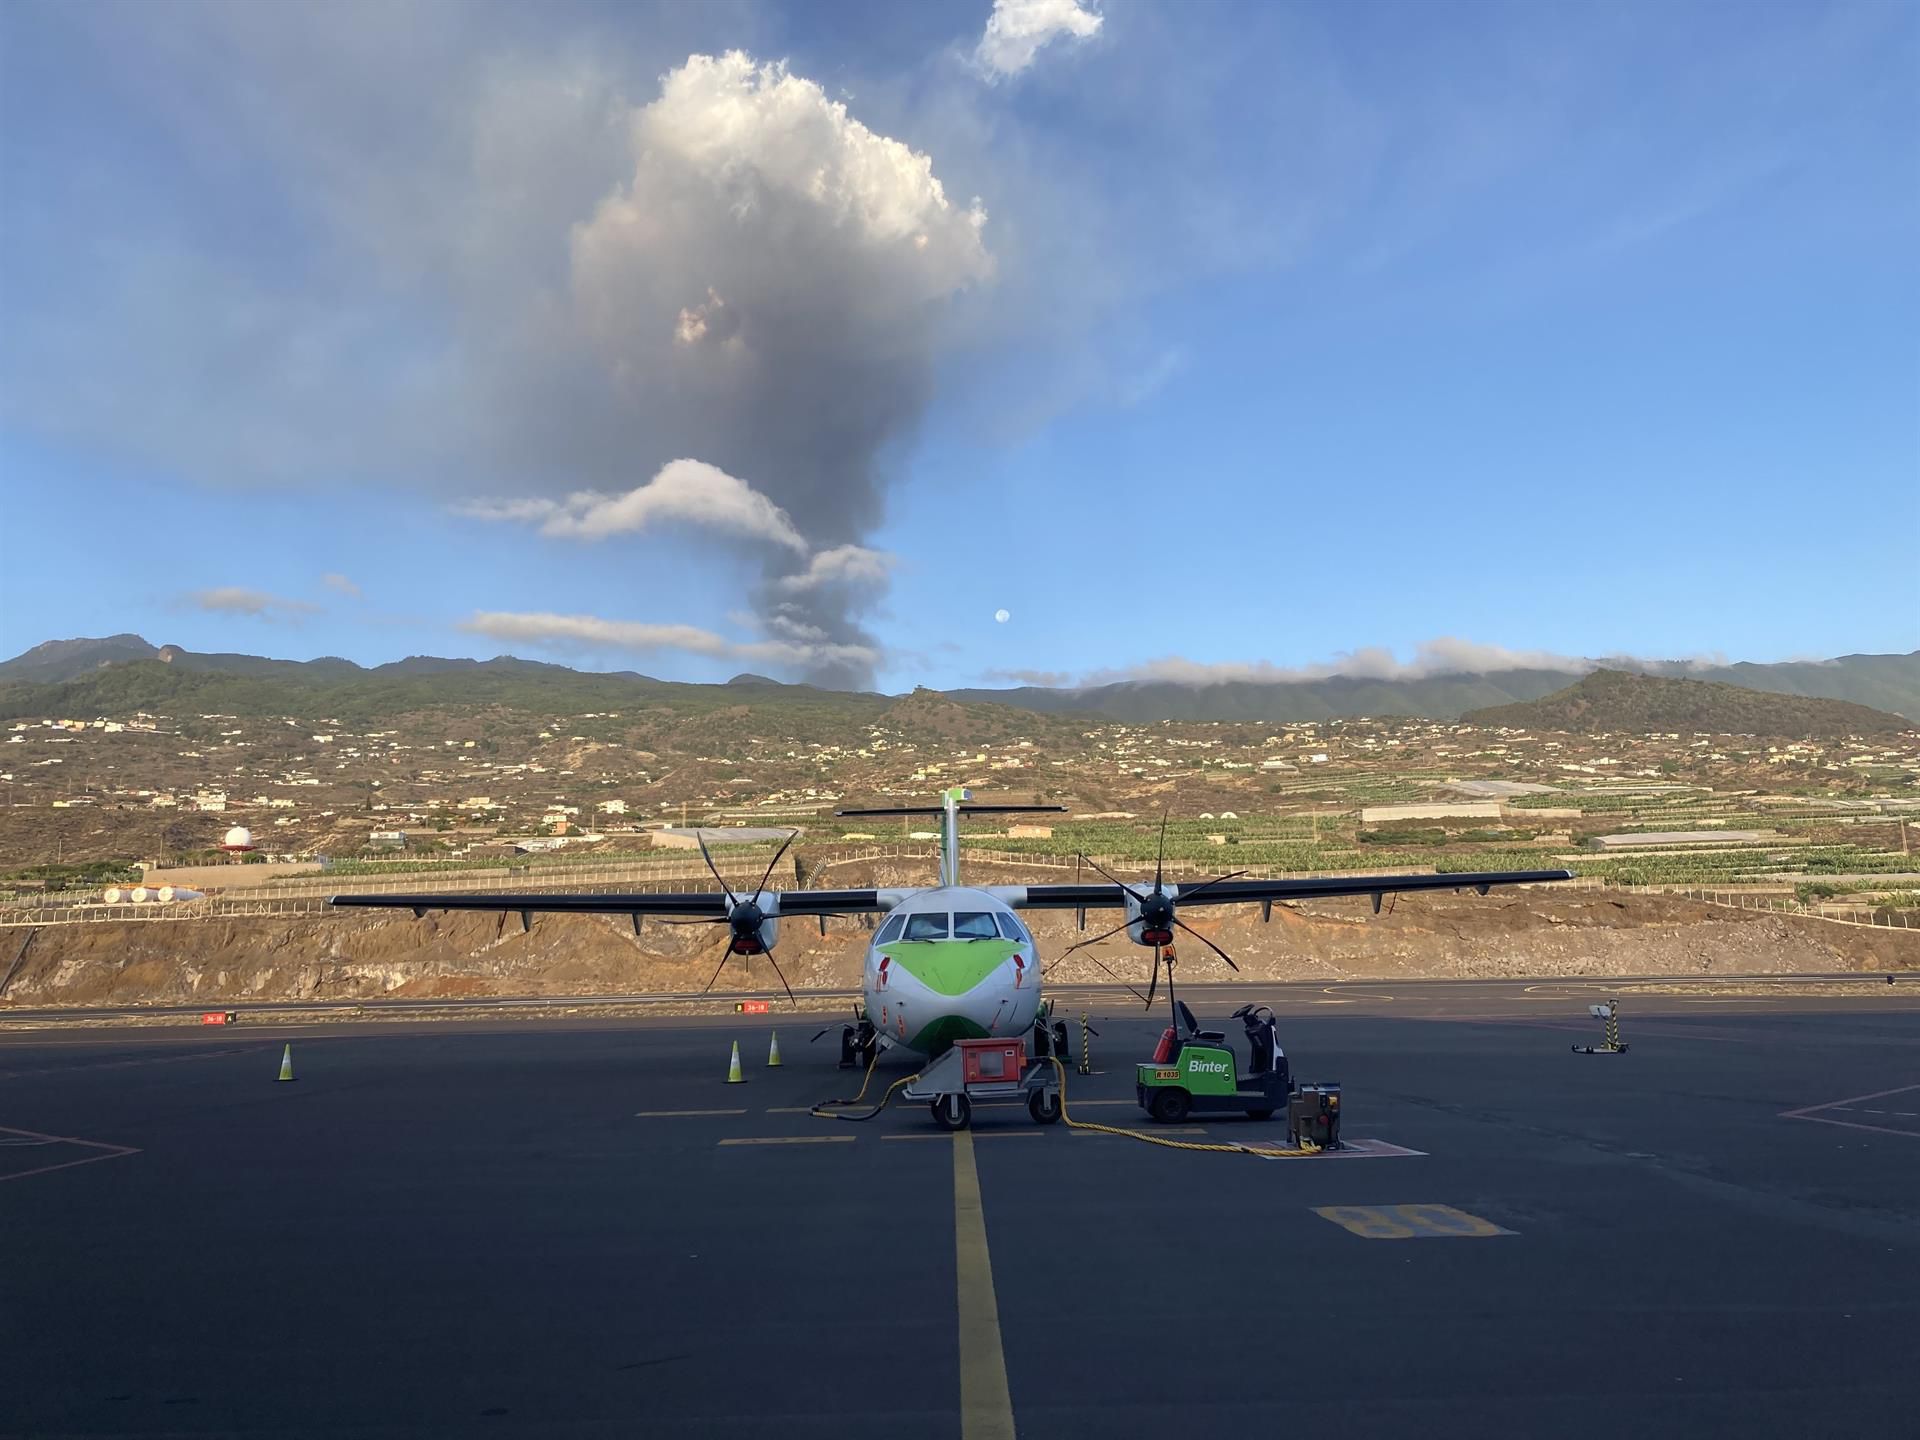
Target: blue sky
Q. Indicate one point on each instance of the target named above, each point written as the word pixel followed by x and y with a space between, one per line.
pixel 1205 340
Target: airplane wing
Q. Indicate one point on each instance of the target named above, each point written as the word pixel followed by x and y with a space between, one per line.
pixel 1240 892
pixel 1152 913
pixel 694 904
pixel 746 912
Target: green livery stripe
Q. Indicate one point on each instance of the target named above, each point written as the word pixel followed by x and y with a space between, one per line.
pixel 950 967
pixel 937 1036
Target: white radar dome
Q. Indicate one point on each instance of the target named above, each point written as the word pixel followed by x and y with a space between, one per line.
pixel 238 838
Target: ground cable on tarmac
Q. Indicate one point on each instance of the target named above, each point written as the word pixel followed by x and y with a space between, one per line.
pixel 1222 1147
pixel 830 1109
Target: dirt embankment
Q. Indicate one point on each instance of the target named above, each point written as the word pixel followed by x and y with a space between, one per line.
pixel 369 954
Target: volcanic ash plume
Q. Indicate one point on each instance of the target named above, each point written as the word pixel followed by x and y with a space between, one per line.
pixel 767 294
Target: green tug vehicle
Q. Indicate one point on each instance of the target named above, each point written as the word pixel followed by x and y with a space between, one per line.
pixel 1194 1072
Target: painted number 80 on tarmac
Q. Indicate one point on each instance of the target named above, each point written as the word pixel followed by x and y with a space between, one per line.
pixel 1408 1222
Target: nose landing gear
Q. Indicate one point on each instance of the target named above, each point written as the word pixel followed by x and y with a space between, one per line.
pixel 858 1042
pixel 1050 1037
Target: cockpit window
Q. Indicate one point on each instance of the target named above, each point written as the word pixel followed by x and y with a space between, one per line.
pixel 927 926
pixel 974 925
pixel 1011 927
pixel 890 930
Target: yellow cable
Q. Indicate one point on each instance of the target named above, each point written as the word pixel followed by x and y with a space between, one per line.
pixel 1226 1148
pixel 872 1062
pixel 829 1109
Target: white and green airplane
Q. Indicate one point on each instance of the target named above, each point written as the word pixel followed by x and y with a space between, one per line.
pixel 951 961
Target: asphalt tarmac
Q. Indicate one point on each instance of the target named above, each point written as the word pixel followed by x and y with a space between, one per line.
pixel 576 1227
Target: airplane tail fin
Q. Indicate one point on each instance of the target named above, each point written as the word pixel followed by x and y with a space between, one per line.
pixel 954 803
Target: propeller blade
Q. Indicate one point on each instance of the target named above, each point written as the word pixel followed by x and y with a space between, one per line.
pixel 1113 877
pixel 1186 895
pixel 1208 943
pixel 1095 940
pixel 1123 984
pixel 1160 860
pixel 701 841
pixel 1154 983
pixel 724 953
pixel 792 835
pixel 783 979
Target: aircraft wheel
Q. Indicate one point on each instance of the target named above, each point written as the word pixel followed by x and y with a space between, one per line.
pixel 1168 1106
pixel 1043 1107
pixel 953 1112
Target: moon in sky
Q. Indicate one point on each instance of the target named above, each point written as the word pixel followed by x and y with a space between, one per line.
pixel 1002 616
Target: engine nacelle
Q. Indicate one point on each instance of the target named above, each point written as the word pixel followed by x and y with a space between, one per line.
pixel 1150 918
pixel 754 930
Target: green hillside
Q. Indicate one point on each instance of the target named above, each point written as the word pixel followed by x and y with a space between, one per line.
pixel 1615 700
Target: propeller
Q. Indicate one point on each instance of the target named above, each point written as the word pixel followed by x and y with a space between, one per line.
pixel 744 918
pixel 1155 910
pixel 1098 961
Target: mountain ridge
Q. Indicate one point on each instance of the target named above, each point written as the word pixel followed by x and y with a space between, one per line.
pixel 1618 701
pixel 93 675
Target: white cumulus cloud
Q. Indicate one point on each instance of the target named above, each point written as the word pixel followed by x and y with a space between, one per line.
pixel 335 581
pixel 1018 29
pixel 645 637
pixel 240 600
pixel 1447 655
pixel 688 491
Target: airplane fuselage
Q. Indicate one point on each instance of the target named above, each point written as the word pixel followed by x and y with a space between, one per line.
pixel 952 963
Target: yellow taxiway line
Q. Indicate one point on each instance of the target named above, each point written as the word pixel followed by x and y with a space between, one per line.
pixel 986 1404
pixel 680 1114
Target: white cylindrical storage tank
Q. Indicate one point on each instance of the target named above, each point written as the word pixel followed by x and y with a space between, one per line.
pixel 113 895
pixel 167 893
pixel 140 895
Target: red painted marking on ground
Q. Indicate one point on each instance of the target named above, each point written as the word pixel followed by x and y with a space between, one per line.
pixel 111 1152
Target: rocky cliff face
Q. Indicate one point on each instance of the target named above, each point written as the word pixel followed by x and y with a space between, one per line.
pixel 368 955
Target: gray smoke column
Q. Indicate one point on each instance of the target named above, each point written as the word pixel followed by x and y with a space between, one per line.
pixel 767 294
